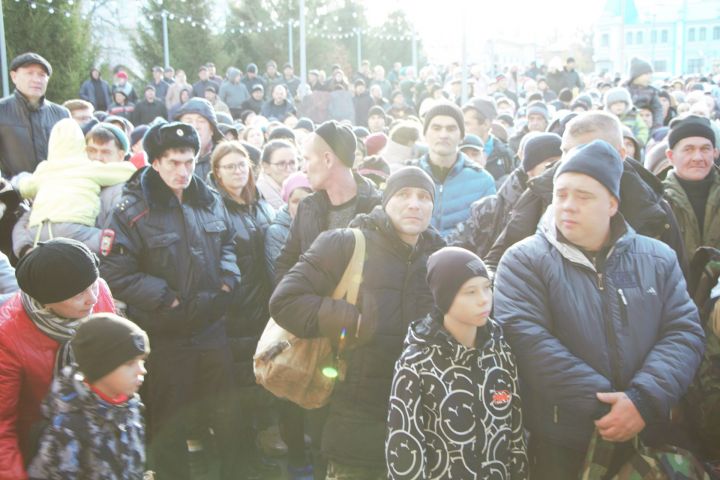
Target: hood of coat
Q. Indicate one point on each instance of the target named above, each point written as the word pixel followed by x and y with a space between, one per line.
pixel 620 230
pixel 70 394
pixel 67 143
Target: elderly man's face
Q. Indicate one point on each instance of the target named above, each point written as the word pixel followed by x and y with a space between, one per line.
pixel 692 158
pixel 31 80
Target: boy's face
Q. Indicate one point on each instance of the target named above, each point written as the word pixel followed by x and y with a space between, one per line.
pixel 473 302
pixel 618 108
pixel 126 379
pixel 647 116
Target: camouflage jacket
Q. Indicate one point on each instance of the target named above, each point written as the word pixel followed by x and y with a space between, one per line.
pixel 88 438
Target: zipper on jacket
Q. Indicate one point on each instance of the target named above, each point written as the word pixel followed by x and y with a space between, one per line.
pixel 600 281
pixel 623 307
pixel 555 414
pixel 613 350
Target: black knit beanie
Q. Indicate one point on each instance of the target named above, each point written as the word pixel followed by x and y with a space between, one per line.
pixel 448 269
pixel 105 341
pixel 448 110
pixel 413 177
pixel 539 148
pixel 597 159
pixel 639 67
pixel 57 270
pixel 690 126
pixel 341 140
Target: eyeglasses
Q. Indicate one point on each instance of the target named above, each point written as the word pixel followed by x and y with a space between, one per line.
pixel 290 164
pixel 234 166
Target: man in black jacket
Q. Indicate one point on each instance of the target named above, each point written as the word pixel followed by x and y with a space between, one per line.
pixel 393 293
pixel 173 264
pixel 642 206
pixel 26 117
pixel 149 108
pixel 339 194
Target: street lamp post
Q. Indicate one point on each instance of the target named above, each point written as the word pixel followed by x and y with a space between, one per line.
pixel 3 54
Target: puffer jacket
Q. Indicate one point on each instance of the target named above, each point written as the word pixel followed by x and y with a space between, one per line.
pixel 311 220
pixel 488 216
pixel 248 312
pixel 66 186
pixel 165 250
pixel 578 329
pixel 87 437
pixel 641 203
pixel 465 183
pixel 25 131
pixel 393 293
pixel 444 393
pixel 27 357
pixel 275 237
pixel 685 214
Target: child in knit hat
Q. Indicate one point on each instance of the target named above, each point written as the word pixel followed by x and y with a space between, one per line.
pixel 454 403
pixel 95 426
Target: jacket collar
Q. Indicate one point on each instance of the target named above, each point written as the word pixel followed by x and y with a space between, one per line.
pixel 461 161
pixel 26 103
pixel 157 193
pixel 429 241
pixel 623 231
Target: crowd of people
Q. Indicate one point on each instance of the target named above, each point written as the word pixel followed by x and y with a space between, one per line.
pixel 539 275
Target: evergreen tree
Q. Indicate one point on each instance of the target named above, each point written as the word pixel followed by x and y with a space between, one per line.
pixel 190 38
pixel 59 33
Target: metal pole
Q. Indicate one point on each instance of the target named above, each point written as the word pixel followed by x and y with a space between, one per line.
pixel 303 45
pixel 414 51
pixel 358 34
pixel 464 94
pixel 290 43
pixel 166 46
pixel 3 55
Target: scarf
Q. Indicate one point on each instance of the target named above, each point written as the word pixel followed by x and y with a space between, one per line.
pixel 59 329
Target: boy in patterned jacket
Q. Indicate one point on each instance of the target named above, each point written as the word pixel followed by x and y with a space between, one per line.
pixel 95 427
pixel 454 404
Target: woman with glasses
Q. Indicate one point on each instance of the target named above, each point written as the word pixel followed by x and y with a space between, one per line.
pixel 250 214
pixel 279 161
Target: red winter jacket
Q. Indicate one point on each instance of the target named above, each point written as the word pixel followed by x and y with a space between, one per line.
pixel 27 358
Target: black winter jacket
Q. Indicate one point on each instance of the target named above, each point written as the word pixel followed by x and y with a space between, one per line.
pixel 641 204
pixel 500 162
pixel 393 293
pixel 624 324
pixel 165 250
pixel 275 238
pixel 248 313
pixel 647 97
pixel 24 132
pixel 311 220
pixel 489 215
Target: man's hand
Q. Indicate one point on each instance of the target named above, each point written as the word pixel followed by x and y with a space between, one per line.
pixel 225 288
pixel 175 303
pixel 623 422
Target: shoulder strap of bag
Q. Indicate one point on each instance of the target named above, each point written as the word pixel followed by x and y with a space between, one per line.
pixel 352 277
